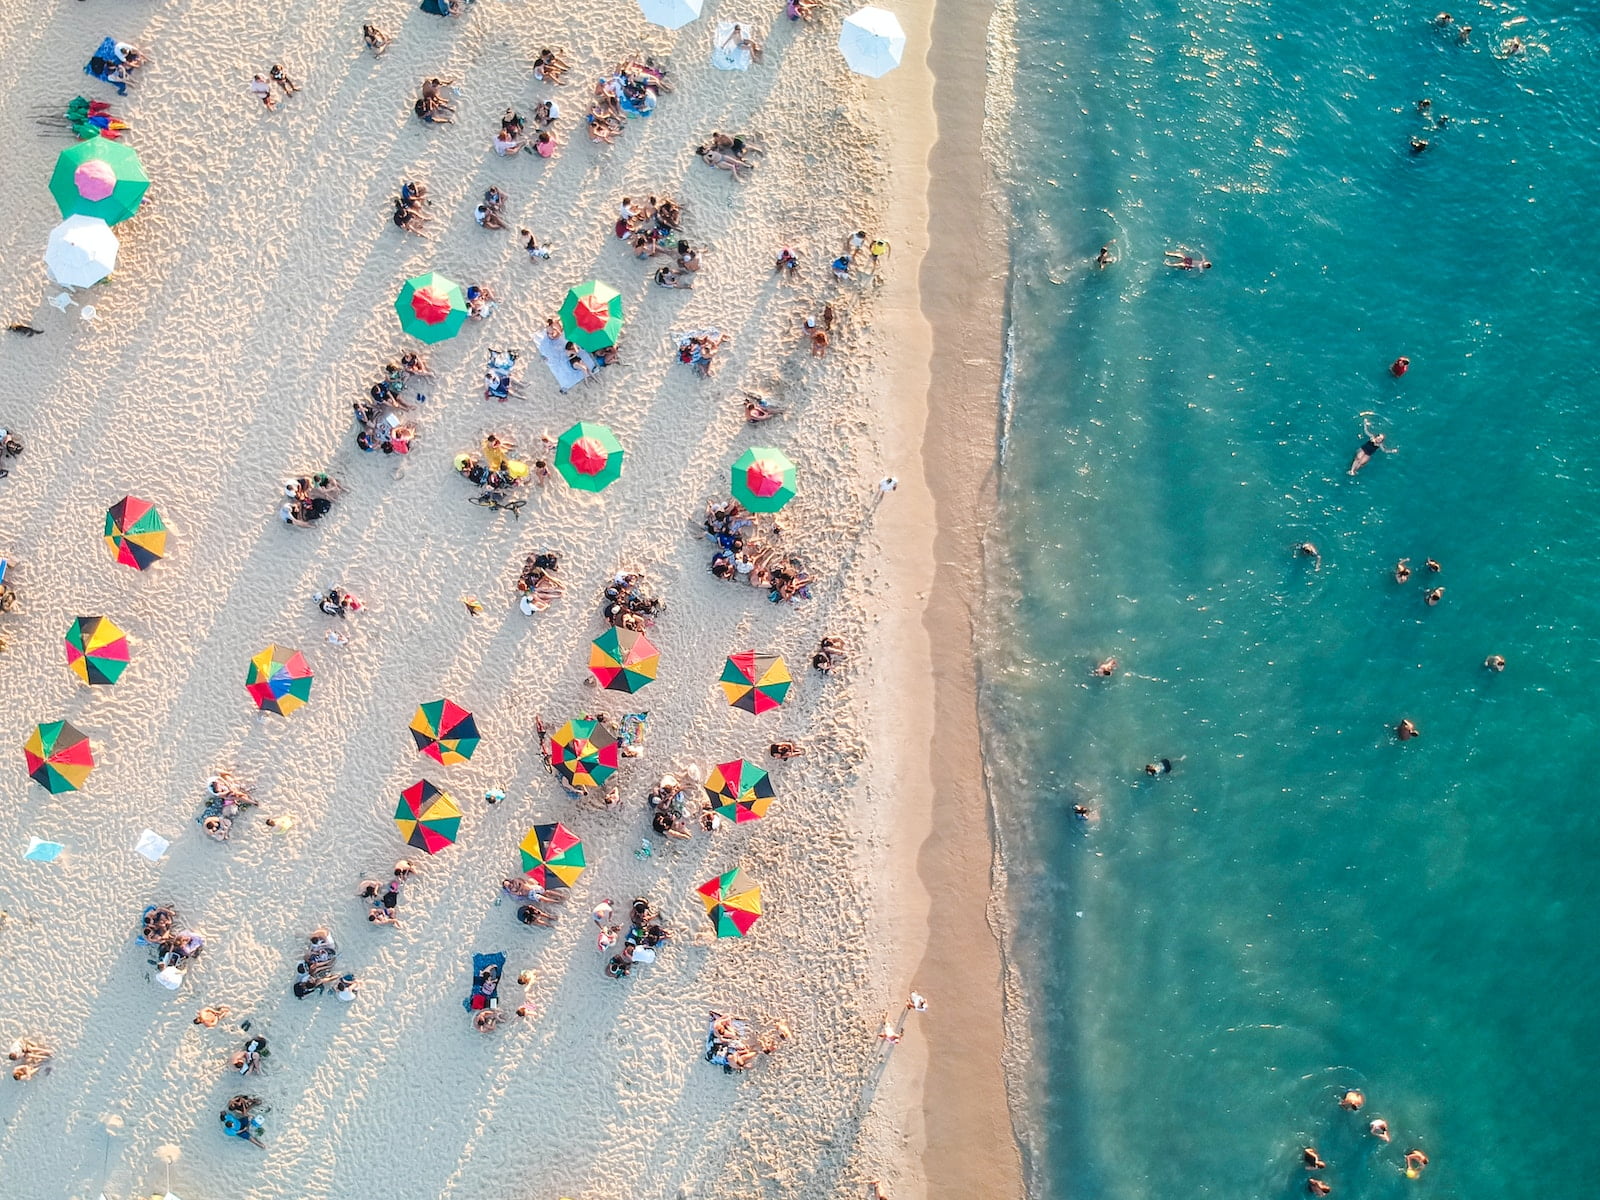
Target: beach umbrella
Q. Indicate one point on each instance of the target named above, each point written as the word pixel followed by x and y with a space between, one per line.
pixel 732 902
pixel 589 457
pixel 755 682
pixel 428 818
pixel 431 307
pixel 623 660
pixel 59 757
pixel 97 651
pixel 81 252
pixel 135 533
pixel 872 41
pixel 592 315
pixel 444 731
pixel 763 479
pixel 584 752
pixel 552 856
pixel 278 680
pixel 739 790
pixel 99 178
pixel 670 14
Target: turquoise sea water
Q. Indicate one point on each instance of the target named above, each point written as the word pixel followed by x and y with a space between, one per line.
pixel 1304 904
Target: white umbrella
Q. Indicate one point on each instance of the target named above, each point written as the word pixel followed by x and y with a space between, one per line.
pixel 872 41
pixel 673 14
pixel 82 251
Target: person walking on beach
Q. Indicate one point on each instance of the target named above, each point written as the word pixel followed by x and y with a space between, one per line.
pixel 886 485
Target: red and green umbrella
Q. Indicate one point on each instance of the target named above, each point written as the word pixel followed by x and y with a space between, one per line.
pixel 59 757
pixel 97 651
pixel 755 682
pixel 732 902
pixel 135 533
pixel 99 178
pixel 428 818
pixel 589 457
pixel 278 680
pixel 585 753
pixel 623 660
pixel 763 479
pixel 445 732
pixel 592 315
pixel 552 856
pixel 431 307
pixel 739 790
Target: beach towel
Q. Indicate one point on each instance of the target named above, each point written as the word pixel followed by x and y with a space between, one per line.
pixel 729 58
pixel 642 107
pixel 632 731
pixel 554 354
pixel 484 986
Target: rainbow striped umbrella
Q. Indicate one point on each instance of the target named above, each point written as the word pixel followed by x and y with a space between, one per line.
pixel 732 902
pixel 59 757
pixel 757 683
pixel 97 651
pixel 552 856
pixel 739 790
pixel 428 818
pixel 623 660
pixel 278 680
pixel 585 753
pixel 445 732
pixel 135 533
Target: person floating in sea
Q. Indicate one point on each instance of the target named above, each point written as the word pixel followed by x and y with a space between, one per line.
pixel 1379 1129
pixel 1317 1187
pixel 1405 731
pixel 1307 550
pixel 1434 596
pixel 1352 1100
pixel 1311 1160
pixel 1495 662
pixel 1370 448
pixel 1400 366
pixel 1416 1160
pixel 1104 259
pixel 1181 260
pixel 1402 570
pixel 1159 767
pixel 1106 668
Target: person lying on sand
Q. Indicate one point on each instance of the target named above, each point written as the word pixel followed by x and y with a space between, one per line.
pixel 722 161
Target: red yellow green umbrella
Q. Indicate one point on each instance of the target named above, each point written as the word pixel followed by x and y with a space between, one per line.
pixel 445 732
pixel 428 818
pixel 756 682
pixel 763 479
pixel 97 651
pixel 623 660
pixel 585 753
pixel 739 790
pixel 589 457
pixel 59 757
pixel 552 856
pixel 135 533
pixel 591 315
pixel 431 307
pixel 278 680
pixel 732 902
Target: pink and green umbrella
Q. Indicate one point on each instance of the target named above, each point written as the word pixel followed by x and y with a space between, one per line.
pixel 763 479
pixel 99 178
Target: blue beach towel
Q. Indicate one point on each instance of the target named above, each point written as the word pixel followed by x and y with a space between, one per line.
pixel 485 982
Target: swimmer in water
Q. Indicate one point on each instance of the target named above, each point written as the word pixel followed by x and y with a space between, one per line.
pixel 1415 1161
pixel 1083 812
pixel 1317 1187
pixel 1463 34
pixel 1402 364
pixel 1106 669
pixel 1405 731
pixel 1418 145
pixel 1495 662
pixel 1307 550
pixel 1511 47
pixel 1379 1129
pixel 1183 261
pixel 1164 767
pixel 1104 259
pixel 1369 449
pixel 1432 565
pixel 1433 597
pixel 1353 1099
pixel 1311 1160
pixel 1402 570
pixel 1442 20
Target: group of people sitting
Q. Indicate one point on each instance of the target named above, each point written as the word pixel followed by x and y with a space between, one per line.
pixel 308 498
pixel 225 799
pixel 431 107
pixel 385 895
pixel 380 414
pixel 732 1045
pixel 411 208
pixel 115 62
pixel 250 1059
pixel 699 348
pixel 175 948
pixel 242 1119
pixel 537 584
pixel 830 653
pixel 514 138
pixel 626 606
pixel 645 934
pixel 497 381
pixel 631 90
pixel 729 152
pixel 32 1058
pixel 673 805
pixel 317 970
pixel 741 556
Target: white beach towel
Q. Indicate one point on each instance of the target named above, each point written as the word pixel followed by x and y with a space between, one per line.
pixel 555 357
pixel 729 58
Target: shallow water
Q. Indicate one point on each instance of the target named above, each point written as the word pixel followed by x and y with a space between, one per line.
pixel 1304 904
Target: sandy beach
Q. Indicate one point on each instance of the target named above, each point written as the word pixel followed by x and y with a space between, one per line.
pixel 253 302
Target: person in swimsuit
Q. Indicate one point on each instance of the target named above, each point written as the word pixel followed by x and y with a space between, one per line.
pixel 1370 449
pixel 1405 731
pixel 1415 1161
pixel 1402 570
pixel 1311 1160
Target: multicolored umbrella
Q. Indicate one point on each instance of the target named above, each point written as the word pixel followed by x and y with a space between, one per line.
pixel 732 902
pixel 552 856
pixel 431 307
pixel 739 790
pixel 135 533
pixel 585 753
pixel 591 315
pixel 99 178
pixel 445 732
pixel 278 680
pixel 623 661
pixel 755 682
pixel 59 757
pixel 428 818
pixel 97 651
pixel 589 457
pixel 763 479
